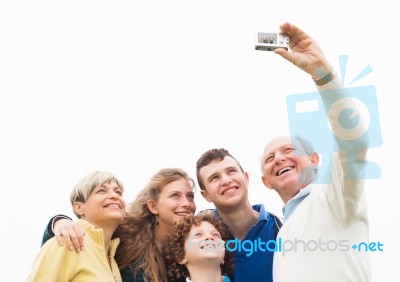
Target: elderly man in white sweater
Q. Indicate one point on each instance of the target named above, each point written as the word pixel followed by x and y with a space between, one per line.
pixel 321 221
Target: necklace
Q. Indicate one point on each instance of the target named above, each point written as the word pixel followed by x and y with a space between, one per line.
pixel 112 271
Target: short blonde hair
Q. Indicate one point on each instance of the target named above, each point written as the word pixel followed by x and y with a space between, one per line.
pixel 86 185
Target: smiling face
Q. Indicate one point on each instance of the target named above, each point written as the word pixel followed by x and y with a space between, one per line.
pixel 175 202
pixel 104 206
pixel 286 167
pixel 225 183
pixel 196 246
pixel 203 245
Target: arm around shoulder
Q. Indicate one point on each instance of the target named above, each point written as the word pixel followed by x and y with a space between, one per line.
pixel 48 232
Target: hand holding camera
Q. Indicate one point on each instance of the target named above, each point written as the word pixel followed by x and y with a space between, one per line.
pixel 304 51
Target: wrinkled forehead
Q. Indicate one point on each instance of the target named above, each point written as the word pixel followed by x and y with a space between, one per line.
pixel 278 142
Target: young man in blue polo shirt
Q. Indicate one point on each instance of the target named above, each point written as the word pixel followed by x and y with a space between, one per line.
pixel 223 182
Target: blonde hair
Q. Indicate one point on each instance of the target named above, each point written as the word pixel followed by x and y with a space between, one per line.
pixel 138 249
pixel 87 184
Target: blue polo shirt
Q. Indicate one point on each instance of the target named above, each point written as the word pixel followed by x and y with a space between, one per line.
pixel 251 263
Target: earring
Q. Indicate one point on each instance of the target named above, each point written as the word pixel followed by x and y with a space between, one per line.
pixel 156 221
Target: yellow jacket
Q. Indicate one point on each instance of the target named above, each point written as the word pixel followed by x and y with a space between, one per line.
pixel 58 264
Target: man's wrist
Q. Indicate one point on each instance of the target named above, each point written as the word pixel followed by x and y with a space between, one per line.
pixel 325 79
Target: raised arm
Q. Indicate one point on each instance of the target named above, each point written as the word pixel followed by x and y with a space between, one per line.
pixel 345 119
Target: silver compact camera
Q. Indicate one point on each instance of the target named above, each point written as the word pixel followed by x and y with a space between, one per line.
pixel 270 41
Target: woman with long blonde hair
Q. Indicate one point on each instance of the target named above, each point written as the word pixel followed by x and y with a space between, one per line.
pixel 167 198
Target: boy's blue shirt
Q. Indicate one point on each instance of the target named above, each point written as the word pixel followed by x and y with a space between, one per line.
pixel 256 266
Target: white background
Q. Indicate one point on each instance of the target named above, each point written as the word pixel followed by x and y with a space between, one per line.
pixel 136 86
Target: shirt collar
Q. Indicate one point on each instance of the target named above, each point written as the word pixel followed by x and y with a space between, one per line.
pixel 258 208
pixel 292 204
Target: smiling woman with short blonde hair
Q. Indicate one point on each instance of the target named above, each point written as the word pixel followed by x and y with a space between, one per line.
pixel 97 202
